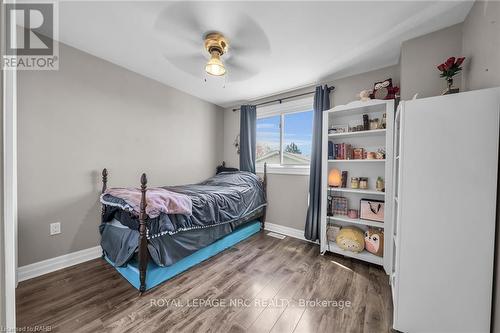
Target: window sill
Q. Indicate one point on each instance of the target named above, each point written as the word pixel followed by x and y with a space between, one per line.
pixel 284 170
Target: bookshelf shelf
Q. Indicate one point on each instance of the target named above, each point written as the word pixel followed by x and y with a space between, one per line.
pixel 364 255
pixel 342 218
pixel 359 107
pixel 355 161
pixel 352 115
pixel 352 190
pixel 357 134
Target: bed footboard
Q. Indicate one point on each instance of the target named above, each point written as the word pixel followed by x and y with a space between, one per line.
pixel 104 187
pixel 143 241
pixel 264 183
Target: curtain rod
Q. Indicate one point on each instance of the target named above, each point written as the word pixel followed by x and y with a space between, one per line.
pixel 288 97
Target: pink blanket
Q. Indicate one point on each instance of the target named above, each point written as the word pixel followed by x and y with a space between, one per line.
pixel 158 200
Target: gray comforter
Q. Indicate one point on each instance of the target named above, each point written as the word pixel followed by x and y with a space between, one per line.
pixel 220 204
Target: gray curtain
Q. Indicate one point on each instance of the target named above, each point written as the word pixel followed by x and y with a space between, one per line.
pixel 313 218
pixel 248 132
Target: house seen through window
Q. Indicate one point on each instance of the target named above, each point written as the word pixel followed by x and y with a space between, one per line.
pixel 284 139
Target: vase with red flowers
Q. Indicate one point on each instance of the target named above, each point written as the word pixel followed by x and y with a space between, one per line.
pixel 449 69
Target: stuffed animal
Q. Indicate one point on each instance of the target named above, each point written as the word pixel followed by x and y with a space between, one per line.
pixel 384 90
pixel 351 239
pixel 365 95
pixel 374 241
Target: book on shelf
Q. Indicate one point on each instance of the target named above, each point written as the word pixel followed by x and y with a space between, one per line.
pixel 342 151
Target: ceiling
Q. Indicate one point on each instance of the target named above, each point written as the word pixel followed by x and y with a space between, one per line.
pixel 284 45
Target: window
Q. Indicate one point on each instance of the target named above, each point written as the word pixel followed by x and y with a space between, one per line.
pixel 284 136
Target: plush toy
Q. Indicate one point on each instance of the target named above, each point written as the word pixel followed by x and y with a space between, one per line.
pixel 384 90
pixel 351 239
pixel 365 95
pixel 374 241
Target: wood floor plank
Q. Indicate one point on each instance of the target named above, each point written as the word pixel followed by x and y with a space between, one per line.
pixel 272 276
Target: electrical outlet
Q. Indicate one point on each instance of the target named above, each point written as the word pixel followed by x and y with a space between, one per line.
pixel 55 228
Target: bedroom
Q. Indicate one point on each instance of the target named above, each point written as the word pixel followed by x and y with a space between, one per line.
pixel 294 240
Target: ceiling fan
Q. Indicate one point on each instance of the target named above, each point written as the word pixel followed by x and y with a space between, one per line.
pixel 216 45
pixel 214 38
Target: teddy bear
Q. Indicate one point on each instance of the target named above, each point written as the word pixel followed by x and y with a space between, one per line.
pixel 365 95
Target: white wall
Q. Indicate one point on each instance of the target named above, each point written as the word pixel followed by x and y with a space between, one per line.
pixel 481 46
pixel 287 194
pixel 92 114
pixel 421 55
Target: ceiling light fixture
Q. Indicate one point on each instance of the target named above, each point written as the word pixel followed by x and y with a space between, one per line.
pixel 216 45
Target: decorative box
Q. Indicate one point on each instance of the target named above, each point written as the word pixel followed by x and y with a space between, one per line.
pixel 372 210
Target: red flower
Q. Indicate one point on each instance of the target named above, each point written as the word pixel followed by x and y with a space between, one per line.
pixel 460 61
pixel 442 67
pixel 450 62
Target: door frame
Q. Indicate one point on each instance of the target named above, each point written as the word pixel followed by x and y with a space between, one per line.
pixel 9 218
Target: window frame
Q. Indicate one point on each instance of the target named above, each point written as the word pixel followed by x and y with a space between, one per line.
pixel 282 109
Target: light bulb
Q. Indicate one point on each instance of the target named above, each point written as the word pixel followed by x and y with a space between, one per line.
pixel 215 66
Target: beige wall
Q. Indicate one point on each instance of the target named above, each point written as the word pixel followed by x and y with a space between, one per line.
pixel 421 55
pixel 92 114
pixel 287 194
pixel 481 46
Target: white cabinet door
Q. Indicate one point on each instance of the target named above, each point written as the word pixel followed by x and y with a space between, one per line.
pixel 447 205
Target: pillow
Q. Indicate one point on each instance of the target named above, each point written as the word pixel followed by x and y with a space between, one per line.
pixel 223 168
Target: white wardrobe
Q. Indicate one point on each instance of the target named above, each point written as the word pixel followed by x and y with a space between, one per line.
pixel 445 198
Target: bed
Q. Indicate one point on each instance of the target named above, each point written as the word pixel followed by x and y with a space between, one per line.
pixel 151 235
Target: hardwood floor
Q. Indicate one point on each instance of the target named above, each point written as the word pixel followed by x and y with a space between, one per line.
pixel 270 278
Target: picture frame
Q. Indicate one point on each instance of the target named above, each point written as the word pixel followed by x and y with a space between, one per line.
pixel 339 205
pixel 334 129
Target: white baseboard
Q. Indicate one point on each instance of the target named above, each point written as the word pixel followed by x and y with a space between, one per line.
pixel 50 265
pixel 287 231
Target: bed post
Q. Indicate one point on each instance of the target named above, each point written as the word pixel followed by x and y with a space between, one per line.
pixel 264 183
pixel 143 241
pixel 104 187
pixel 103 207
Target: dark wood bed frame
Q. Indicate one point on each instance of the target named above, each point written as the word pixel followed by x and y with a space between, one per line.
pixel 143 254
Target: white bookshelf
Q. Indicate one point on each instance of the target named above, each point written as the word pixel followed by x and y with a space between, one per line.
pixel 351 115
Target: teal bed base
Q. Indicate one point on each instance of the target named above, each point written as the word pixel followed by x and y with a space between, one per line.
pixel 156 275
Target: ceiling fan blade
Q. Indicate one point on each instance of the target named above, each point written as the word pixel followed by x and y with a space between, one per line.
pixel 182 26
pixel 180 21
pixel 238 71
pixel 249 37
pixel 192 64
